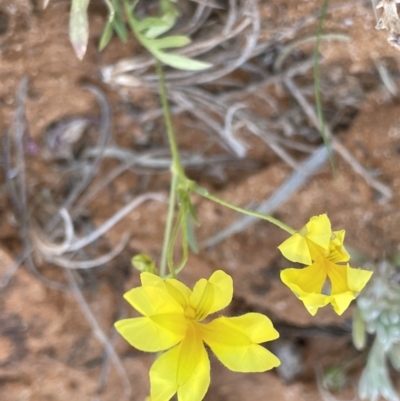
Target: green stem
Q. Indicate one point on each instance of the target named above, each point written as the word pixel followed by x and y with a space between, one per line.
pixel 176 166
pixel 176 171
pixel 203 192
pixel 168 226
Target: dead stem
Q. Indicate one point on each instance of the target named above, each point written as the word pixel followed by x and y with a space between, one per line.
pixel 98 332
pixel 386 78
pixel 89 264
pixel 94 235
pixel 335 143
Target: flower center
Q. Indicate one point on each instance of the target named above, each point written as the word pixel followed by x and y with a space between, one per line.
pixel 190 313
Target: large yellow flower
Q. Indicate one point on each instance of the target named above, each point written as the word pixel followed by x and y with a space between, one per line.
pixel 322 250
pixel 172 321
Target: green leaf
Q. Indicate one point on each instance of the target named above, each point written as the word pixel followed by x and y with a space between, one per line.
pixel 180 62
pixel 106 36
pixel 169 19
pixel 191 238
pixel 120 28
pixel 148 23
pixel 79 27
pixel 170 42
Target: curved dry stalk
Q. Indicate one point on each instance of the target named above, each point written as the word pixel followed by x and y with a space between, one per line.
pixel 228 131
pixel 47 248
pixel 386 78
pixel 53 252
pixel 199 18
pixel 154 160
pixel 117 217
pixel 89 264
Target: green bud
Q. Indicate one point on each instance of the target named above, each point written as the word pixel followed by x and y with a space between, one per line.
pixel 144 263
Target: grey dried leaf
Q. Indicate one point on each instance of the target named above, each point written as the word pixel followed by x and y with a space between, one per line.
pixel 60 137
pixel 390 21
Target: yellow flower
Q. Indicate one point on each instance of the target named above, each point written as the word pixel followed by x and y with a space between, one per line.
pixel 322 250
pixel 172 320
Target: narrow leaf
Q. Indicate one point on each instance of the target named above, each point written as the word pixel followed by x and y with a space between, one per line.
pixel 170 42
pixel 120 28
pixel 180 62
pixel 106 36
pixel 191 238
pixel 79 27
pixel 146 24
pixel 169 19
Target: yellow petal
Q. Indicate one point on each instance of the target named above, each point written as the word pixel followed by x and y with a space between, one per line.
pixel 307 285
pixel 310 243
pixel 212 295
pixel 309 279
pixel 319 230
pixel 151 301
pixel 295 249
pixel 185 369
pixel 337 252
pixel 338 277
pixel 151 280
pixel 341 302
pixel 357 278
pixel 235 342
pixel 313 302
pixel 346 282
pixel 153 334
pixel 179 291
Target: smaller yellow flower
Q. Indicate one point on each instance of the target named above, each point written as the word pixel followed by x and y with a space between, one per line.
pixel 172 321
pixel 322 251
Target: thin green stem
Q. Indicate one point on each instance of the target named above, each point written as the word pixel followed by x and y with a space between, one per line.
pixel 176 171
pixel 168 226
pixel 176 166
pixel 203 192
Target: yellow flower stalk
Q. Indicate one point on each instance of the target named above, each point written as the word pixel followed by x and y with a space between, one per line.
pixel 173 321
pixel 322 250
